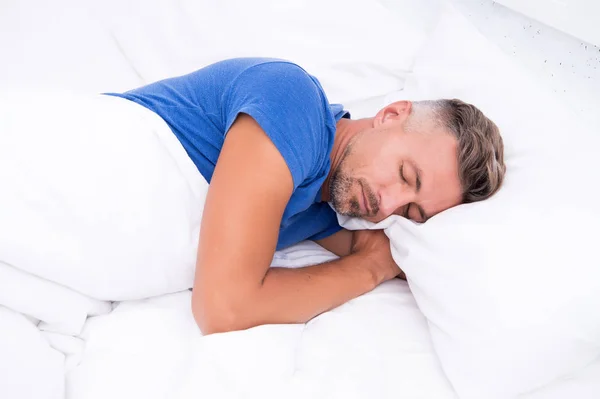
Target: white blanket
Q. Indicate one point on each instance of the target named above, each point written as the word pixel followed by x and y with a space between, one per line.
pixel 374 346
pixel 99 203
pixel 29 367
pixel 98 195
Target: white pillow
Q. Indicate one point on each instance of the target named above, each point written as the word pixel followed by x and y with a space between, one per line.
pixel 60 44
pixel 357 48
pixel 121 44
pixel 510 286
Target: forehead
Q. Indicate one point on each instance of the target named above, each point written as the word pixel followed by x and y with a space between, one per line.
pixel 435 155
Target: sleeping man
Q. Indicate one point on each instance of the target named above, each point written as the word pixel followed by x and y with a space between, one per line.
pixel 278 157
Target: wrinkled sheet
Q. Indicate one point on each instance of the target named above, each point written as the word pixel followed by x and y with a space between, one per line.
pixel 377 345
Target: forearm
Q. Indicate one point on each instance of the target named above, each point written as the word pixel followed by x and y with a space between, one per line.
pixel 298 295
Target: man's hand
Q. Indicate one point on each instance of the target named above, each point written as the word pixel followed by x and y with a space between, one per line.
pixel 375 245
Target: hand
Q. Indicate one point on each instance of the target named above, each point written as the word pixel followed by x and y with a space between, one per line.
pixel 375 245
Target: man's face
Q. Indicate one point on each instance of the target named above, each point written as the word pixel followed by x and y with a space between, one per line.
pixel 386 170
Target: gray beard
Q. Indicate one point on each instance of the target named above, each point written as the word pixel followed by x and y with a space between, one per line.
pixel 339 188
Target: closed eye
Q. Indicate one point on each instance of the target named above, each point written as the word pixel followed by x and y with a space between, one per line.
pixel 406 214
pixel 402 174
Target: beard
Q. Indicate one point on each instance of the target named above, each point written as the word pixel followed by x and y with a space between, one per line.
pixel 344 203
pixel 339 189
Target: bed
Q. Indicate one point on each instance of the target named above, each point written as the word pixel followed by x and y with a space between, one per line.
pixel 461 327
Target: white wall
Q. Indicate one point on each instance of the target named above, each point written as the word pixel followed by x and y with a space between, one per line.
pixel 568 65
pixel 575 17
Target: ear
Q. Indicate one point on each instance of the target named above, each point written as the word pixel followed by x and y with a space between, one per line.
pixel 395 112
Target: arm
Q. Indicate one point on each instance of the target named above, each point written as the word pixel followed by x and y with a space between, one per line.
pixel 234 287
pixel 339 243
pixel 342 242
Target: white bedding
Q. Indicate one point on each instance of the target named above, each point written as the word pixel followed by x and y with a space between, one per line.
pixel 80 308
pixel 375 346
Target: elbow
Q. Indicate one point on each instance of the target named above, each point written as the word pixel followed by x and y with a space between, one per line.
pixel 218 316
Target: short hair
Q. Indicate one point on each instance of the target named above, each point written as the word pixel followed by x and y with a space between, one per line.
pixel 480 146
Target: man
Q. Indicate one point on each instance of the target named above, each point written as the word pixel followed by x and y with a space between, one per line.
pixel 276 153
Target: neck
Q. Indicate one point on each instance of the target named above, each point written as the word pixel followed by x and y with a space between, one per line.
pixel 345 131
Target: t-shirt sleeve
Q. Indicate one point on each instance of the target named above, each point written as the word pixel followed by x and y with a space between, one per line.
pixel 330 222
pixel 289 107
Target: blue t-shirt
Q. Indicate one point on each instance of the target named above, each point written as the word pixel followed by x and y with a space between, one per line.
pixel 290 106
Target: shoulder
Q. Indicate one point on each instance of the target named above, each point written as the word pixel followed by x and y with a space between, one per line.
pixel 278 77
pixel 283 93
pixel 290 106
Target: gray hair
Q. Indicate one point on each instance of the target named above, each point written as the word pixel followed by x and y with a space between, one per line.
pixel 480 145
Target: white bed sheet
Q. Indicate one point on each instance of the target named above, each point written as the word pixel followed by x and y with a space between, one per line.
pixel 375 346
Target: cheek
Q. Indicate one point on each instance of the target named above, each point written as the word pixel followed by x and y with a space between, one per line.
pixel 374 159
pixel 356 162
pixel 385 169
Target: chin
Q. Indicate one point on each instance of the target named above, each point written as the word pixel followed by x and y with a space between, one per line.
pixel 343 207
pixel 345 192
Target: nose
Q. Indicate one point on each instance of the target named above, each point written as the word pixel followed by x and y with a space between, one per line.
pixel 393 198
